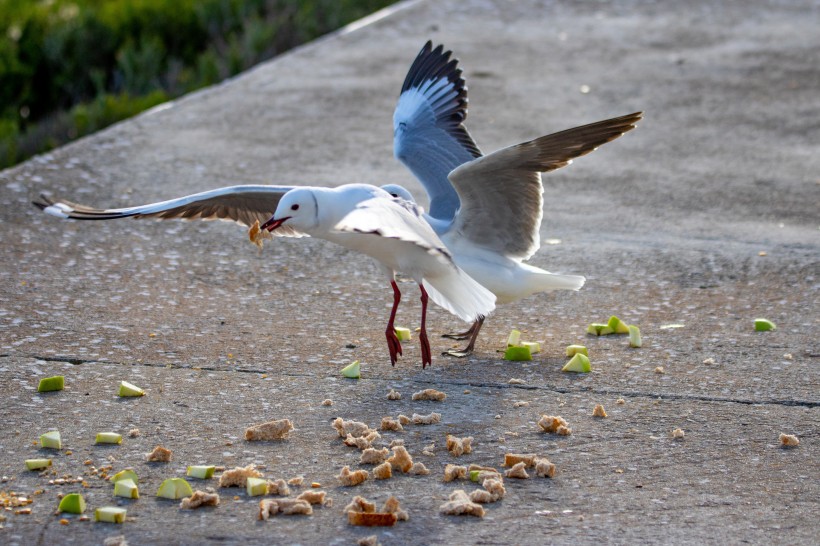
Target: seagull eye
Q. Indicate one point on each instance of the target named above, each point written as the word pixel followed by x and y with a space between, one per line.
pixel 395 195
pixel 294 207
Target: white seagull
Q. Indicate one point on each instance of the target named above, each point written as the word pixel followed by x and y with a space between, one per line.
pixel 486 209
pixel 358 216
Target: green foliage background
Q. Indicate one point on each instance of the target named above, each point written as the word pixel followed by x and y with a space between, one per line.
pixel 68 68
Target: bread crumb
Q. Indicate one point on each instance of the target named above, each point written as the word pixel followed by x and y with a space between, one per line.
pixel 372 540
pixel 544 468
pixel 460 504
pixel 272 430
pixel 678 434
pixel 789 440
pixel 257 236
pixel 418 469
pixel 518 471
pixel 362 512
pixel 396 442
pixel 237 477
pixel 495 486
pixel 271 507
pixel 134 432
pixel 659 369
pixel 278 487
pixel 550 423
pixel 563 431
pixel 374 456
pixel 383 471
pixel 454 472
pixel 362 442
pixel 620 401
pixel 356 429
pixel 315 485
pixel 372 519
pixel 394 395
pixel 512 459
pixel 117 540
pixel 349 479
pixel 788 356
pixel 327 402
pixel 199 498
pixel 709 361
pixel 481 496
pixel 388 423
pixel 459 446
pixel 401 459
pixel 359 504
pixel 391 506
pixel 159 455
pixel 430 394
pixel 431 419
pixel 516 381
pixel 521 404
pixel 430 450
pixel 404 420
pixel 315 497
pixel 297 481
pixel 598 411
pixel 466 391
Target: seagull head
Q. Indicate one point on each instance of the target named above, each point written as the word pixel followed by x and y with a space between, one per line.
pixel 298 208
pixel 399 191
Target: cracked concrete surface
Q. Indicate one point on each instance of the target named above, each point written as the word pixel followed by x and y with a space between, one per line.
pixel 705 216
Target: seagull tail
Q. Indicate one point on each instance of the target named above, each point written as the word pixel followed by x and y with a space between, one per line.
pixel 460 294
pixel 548 282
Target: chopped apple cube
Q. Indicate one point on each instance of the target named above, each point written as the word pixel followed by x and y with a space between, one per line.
pixel 474 475
pixel 51 440
pixel 634 336
pixel 403 334
pixel 352 371
pixel 48 384
pixel 108 438
pixel 514 339
pixel 73 503
pixel 201 472
pixel 572 350
pixel 174 488
pixel 38 464
pixel 126 488
pixel 617 325
pixel 533 346
pixel 127 389
pixel 517 352
pixel 110 514
pixel 127 474
pixel 579 363
pixel 763 325
pixel 256 486
pixel 598 329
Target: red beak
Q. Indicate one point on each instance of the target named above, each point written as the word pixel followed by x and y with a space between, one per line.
pixel 273 223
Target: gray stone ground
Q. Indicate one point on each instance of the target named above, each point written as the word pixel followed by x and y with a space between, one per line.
pixel 668 225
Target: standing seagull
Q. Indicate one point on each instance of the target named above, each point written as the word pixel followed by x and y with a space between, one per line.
pixel 486 209
pixel 358 216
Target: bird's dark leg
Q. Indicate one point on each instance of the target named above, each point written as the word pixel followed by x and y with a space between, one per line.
pixel 426 355
pixel 468 350
pixel 462 335
pixel 393 343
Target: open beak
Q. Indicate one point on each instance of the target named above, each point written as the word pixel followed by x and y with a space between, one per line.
pixel 273 223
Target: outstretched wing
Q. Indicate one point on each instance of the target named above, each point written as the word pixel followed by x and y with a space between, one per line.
pixel 428 135
pixel 501 193
pixel 242 204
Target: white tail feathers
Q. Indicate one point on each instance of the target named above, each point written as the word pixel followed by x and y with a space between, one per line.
pixel 460 294
pixel 552 281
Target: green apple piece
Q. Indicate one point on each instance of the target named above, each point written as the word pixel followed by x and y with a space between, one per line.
pixel 256 486
pixel 201 472
pixel 38 464
pixel 579 363
pixel 73 503
pixel 353 371
pixel 126 488
pixel 514 339
pixel 572 350
pixel 474 475
pixel 617 325
pixel 518 352
pixel 634 336
pixel 403 334
pixel 127 474
pixel 51 440
pixel 127 389
pixel 108 438
pixel 763 325
pixel 48 384
pixel 598 329
pixel 534 346
pixel 174 488
pixel 110 514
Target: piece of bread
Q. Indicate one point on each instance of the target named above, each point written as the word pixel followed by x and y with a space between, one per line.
pixel 374 456
pixel 199 498
pixel 353 428
pixel 789 440
pixel 257 235
pixel 391 506
pixel 278 487
pixel 359 504
pixel 315 497
pixel 237 477
pixel 404 420
pixel 454 472
pixel 372 519
pixel 272 430
pixel 459 446
pixel 544 468
pixel 461 505
pixel 431 419
pixel 349 479
pixel 551 423
pixel 418 469
pixel 394 395
pixel 495 487
pixel 519 471
pixel 159 455
pixel 598 411
pixel 429 394
pixel 511 459
pixel 401 459
pixel 384 471
pixel 388 423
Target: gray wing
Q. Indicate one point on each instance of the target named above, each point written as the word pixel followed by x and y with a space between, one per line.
pixel 241 204
pixel 428 135
pixel 501 193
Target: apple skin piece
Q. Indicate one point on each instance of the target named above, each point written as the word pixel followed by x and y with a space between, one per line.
pixel 403 334
pixel 73 503
pixel 175 489
pixel 572 350
pixel 108 438
pixel 517 353
pixel 579 363
pixel 598 329
pixel 127 474
pixel 352 371
pixel 256 486
pixel 764 325
pixel 49 384
pixel 38 464
pixel 110 514
pixel 201 472
pixel 126 488
pixel 617 325
pixel 128 390
pixel 51 440
pixel 634 336
pixel 533 346
pixel 474 475
pixel 514 339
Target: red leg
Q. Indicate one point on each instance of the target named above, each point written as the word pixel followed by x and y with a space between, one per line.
pixel 393 343
pixel 471 345
pixel 426 356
